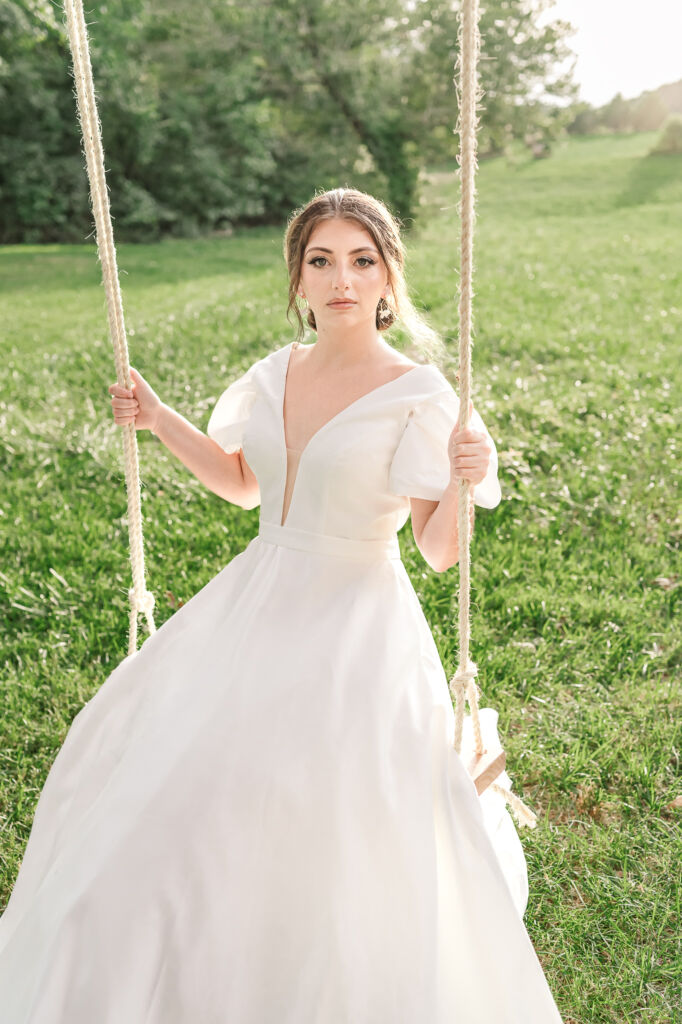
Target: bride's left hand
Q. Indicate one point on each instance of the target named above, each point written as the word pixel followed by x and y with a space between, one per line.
pixel 469 452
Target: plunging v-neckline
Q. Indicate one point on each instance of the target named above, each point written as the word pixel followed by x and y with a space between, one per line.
pixel 350 405
pixel 301 451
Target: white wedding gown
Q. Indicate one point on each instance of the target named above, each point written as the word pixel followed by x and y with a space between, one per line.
pixel 260 818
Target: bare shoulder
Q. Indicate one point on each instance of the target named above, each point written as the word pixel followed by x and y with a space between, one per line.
pixel 394 360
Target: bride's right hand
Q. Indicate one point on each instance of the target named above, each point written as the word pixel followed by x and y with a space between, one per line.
pixel 141 406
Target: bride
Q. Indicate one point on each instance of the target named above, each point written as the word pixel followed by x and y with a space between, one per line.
pixel 260 817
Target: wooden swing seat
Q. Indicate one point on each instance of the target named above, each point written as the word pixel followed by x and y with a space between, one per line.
pixel 484 768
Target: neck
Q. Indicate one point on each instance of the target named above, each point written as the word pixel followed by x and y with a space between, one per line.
pixel 343 347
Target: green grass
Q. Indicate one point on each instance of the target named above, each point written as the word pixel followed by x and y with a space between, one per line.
pixel 576 575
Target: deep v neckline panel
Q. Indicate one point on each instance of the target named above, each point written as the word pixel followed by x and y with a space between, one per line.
pixel 341 412
pixel 289 484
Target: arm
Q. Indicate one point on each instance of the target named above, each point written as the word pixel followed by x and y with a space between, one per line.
pixel 434 525
pixel 226 474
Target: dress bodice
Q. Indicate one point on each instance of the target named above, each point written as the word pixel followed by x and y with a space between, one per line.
pixel 356 474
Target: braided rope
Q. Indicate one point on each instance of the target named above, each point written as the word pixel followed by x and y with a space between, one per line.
pixel 141 599
pixel 469 41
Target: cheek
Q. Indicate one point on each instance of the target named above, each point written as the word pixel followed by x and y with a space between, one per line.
pixel 371 280
pixel 379 276
pixel 311 281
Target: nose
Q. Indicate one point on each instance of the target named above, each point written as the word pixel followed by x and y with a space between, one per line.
pixel 340 279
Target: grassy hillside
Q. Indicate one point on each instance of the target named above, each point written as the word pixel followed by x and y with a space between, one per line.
pixel 576 575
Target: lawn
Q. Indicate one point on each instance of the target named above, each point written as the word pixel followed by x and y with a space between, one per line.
pixel 575 575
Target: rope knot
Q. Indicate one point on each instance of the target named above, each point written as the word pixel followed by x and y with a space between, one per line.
pixel 143 602
pixel 466 673
pixel 461 678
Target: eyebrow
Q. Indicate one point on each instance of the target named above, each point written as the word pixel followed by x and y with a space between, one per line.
pixel 363 248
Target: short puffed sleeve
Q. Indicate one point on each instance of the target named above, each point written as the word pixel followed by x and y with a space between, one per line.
pixel 420 467
pixel 232 410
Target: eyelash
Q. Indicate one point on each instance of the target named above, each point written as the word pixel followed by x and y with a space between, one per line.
pixel 370 262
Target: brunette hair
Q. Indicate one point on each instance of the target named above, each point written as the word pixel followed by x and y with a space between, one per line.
pixel 384 229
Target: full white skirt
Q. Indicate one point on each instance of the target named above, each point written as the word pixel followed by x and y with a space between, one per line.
pixel 260 818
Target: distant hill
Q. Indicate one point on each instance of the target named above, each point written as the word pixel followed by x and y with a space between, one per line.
pixel 642 113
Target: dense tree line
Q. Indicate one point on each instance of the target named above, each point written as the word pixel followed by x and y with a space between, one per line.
pixel 224 113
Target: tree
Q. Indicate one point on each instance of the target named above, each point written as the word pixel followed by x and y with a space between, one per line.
pixel 617 114
pixel 583 119
pixel 321 54
pixel 517 72
pixel 40 168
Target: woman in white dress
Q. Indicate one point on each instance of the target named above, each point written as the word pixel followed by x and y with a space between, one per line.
pixel 260 817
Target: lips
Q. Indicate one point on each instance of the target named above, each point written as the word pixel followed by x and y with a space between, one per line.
pixel 342 302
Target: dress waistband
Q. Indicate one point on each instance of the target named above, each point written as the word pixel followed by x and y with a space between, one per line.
pixel 324 544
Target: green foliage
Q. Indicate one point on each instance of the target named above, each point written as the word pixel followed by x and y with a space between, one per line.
pixel 617 114
pixel 220 114
pixel 583 119
pixel 40 174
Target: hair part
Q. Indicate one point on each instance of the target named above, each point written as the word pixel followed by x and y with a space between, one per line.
pixel 384 229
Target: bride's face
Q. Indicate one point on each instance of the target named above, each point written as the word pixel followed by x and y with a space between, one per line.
pixel 341 261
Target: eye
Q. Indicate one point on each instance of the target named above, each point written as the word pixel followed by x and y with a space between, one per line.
pixel 367 261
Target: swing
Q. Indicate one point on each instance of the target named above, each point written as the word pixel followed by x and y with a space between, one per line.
pixel 484 765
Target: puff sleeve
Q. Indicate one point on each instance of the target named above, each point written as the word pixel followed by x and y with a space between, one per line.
pixel 420 467
pixel 232 411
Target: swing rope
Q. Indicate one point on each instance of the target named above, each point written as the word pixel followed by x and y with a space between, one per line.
pixel 141 599
pixel 463 680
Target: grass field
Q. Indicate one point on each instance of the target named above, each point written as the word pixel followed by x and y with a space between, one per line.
pixel 575 577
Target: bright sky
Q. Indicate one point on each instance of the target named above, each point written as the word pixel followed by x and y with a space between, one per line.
pixel 625 46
